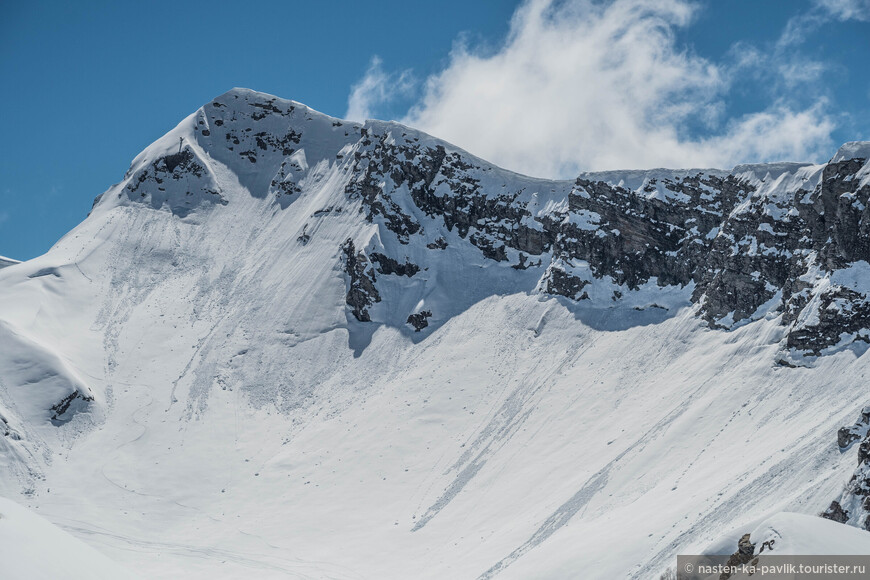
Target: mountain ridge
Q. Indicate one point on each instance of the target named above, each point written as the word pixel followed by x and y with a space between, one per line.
pixel 504 222
pixel 390 338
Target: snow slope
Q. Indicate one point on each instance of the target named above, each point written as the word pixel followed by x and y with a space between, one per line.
pixel 257 399
pixel 798 534
pixel 33 548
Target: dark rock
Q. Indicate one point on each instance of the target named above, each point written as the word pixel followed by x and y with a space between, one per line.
pixel 146 185
pixel 304 238
pixel 745 251
pixel 387 265
pixel 439 244
pixel 836 513
pixel 744 554
pixel 418 320
pixel 857 491
pixel 170 162
pixel 361 290
pixel 63 411
pixel 845 437
pixel 561 283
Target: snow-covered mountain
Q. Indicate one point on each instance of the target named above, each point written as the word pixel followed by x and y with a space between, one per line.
pixel 294 346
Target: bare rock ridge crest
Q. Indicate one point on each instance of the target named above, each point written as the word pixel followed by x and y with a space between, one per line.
pixel 785 239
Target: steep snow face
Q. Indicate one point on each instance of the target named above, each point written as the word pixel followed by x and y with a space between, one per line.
pixel 316 348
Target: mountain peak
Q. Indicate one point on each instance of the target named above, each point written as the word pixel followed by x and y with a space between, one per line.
pixel 240 98
pixel 379 333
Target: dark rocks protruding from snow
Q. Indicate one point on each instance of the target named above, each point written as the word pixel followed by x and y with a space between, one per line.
pixel 838 311
pixel 439 244
pixel 387 265
pixel 73 403
pixel 155 183
pixel 853 505
pixel 560 283
pixel 418 320
pixel 361 290
pixel 746 247
pixel 744 554
pixel 836 513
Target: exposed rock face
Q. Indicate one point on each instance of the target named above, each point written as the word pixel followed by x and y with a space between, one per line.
pixel 148 184
pixel 745 552
pixel 783 240
pixel 63 411
pixel 848 435
pixel 755 240
pixel 362 293
pixel 418 320
pixel 836 513
pixel 559 282
pixel 387 265
pixel 853 506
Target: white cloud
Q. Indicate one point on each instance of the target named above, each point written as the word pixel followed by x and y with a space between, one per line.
pixel 846 9
pixel 580 85
pixel 376 88
pixel 588 85
pixel 820 13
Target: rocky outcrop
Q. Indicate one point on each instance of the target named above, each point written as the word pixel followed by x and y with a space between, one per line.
pixel 66 408
pixel 387 265
pixel 744 554
pixel 418 320
pixel 853 505
pixel 149 184
pixel 756 240
pixel 836 513
pixel 361 292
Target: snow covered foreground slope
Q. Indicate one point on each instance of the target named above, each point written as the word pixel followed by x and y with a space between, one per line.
pixel 318 349
pixel 33 548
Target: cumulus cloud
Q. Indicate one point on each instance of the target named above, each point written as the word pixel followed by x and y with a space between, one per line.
pixel 581 85
pixel 376 88
pixel 590 85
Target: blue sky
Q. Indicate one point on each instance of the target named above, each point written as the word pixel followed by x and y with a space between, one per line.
pixel 543 87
